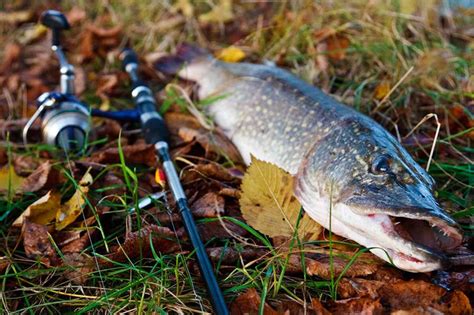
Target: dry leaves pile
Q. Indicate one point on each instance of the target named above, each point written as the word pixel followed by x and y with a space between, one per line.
pixel 72 205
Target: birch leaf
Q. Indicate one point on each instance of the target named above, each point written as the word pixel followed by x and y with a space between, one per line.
pixel 72 208
pixel 269 205
pixel 42 211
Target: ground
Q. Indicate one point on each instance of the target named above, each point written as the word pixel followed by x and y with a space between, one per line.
pixel 401 62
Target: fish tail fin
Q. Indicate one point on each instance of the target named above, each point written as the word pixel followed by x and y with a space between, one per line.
pixel 185 53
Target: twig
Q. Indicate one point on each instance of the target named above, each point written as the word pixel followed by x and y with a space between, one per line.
pixel 438 127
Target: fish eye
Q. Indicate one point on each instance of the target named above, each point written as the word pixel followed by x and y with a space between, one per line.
pixel 381 164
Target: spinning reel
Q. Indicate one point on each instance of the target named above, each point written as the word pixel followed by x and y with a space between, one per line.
pixel 66 121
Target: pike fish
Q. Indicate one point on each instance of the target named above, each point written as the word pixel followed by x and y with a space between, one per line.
pixel 352 176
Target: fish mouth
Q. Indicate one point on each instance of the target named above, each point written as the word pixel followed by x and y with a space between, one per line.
pixel 423 242
pixel 411 243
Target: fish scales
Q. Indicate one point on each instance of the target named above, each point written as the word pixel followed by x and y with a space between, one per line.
pixel 352 176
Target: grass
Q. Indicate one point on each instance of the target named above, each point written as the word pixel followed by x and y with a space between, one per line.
pixel 384 45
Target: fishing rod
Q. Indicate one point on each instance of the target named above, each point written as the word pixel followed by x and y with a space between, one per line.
pixel 155 132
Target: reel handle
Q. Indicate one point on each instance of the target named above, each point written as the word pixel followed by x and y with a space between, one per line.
pixel 57 22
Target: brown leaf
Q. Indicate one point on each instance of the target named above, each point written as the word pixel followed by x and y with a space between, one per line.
pixel 134 154
pixel 249 303
pixel 407 295
pixel 216 229
pixel 37 243
pixel 108 128
pixel 106 84
pixel 25 164
pixel 337 46
pixel 3 156
pixel 78 245
pixel 349 288
pixel 138 243
pixel 79 268
pixel 105 32
pixel 230 192
pixel 44 177
pixel 322 267
pixel 208 206
pixel 229 255
pixel 364 306
pixel 4 263
pixel 214 170
pixel 214 143
pixel 11 54
pixel 87 44
pixel 76 15
pixel 318 308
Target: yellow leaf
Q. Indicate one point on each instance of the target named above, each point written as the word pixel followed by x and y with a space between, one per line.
pixel 9 180
pixel 268 204
pixel 221 13
pixel 231 54
pixel 42 211
pixel 185 6
pixel 382 90
pixel 408 6
pixel 72 208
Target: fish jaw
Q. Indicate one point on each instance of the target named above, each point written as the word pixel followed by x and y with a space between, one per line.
pixel 371 231
pixel 376 231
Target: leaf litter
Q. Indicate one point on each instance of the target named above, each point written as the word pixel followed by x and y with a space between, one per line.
pixel 226 205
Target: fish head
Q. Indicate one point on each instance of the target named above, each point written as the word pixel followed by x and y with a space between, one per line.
pixel 361 183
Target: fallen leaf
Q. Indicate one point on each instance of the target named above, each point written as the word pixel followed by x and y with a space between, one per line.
pixel 72 208
pixel 11 54
pixel 408 295
pixel 78 267
pixel 382 90
pixel 269 205
pixel 366 306
pixel 76 15
pixel 9 180
pixel 348 288
pixel 231 54
pixel 220 13
pixel 249 303
pixel 210 205
pixel 213 142
pixel 134 154
pixel 230 255
pixel 318 308
pixel 25 164
pixel 337 47
pixel 78 245
pixel 214 170
pixel 137 244
pixel 37 243
pixel 44 177
pixel 220 230
pixel 105 85
pixel 42 211
pixel 15 17
pixel 185 6
pixel 4 263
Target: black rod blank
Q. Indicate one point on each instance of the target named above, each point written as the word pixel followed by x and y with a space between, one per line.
pixel 156 133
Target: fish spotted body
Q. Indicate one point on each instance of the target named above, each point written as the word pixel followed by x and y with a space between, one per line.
pixel 352 176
